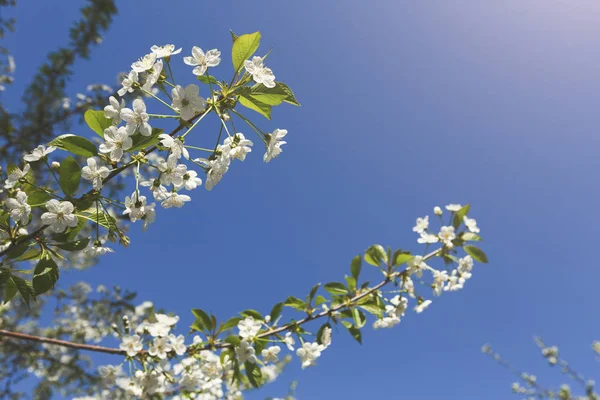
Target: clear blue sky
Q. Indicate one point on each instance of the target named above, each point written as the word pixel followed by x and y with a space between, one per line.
pixel 406 105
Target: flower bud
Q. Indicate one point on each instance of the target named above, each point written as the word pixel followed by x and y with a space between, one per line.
pixel 437 210
pixel 55 164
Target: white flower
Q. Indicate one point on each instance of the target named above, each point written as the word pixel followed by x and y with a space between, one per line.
pixel 18 208
pixel 453 207
pixel 455 282
pixel 326 336
pixel 137 119
pixel 176 200
pixel 422 306
pixel 237 146
pixel 271 354
pixel 190 181
pixel 422 224
pixel 309 352
pixel 245 352
pixel 115 142
pixel 398 306
pixel 14 176
pixel 160 347
pixel 202 61
pixel 162 326
pixel 113 110
pixel 289 341
pixel 110 373
pixel 274 143
pixel 187 101
pixel 471 223
pixel 178 344
pixel 131 345
pixel 171 171
pixel 59 215
pixel 96 249
pixel 249 327
pixel 153 75
pixel 144 63
pixel 216 169
pixel 128 83
pixel 465 265
pixel 386 322
pixel 158 191
pixel 259 72
pixel 447 235
pixel 136 207
pixel 175 145
pixel 409 286
pixel 437 210
pixel 428 238
pixel 167 50
pixel 416 266
pixel 93 173
pixel 38 153
pixel 439 279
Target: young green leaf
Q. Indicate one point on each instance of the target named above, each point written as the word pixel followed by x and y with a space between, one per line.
pixel 75 144
pixel 400 258
pixel 207 79
pixel 375 255
pixel 141 142
pixel 359 318
pixel 460 214
pixel 45 275
pixel 355 267
pixel 202 319
pixel 97 122
pixel 476 253
pixel 243 48
pixel 256 105
pixel 336 288
pixel 38 197
pixel 70 176
pixel 295 302
pixel 253 373
pixel 471 237
pixel 75 245
pixel 252 313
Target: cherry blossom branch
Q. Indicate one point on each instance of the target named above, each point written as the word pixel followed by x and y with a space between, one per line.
pixel 221 345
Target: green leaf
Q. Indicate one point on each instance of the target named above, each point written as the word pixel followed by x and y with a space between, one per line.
pixel 75 245
pixel 10 288
pixel 30 254
pixel 202 320
pixel 70 176
pixel 37 197
pixel 141 142
pixel 276 311
pixel 375 255
pixel 471 237
pixel 320 332
pixel 460 214
pixel 243 48
pixel 355 332
pixel 45 275
pixel 233 36
pixel 336 288
pixel 86 201
pixel 312 293
pixel 233 340
pixel 320 300
pixel 295 302
pixel 355 267
pixel 17 250
pixel 359 318
pixel 97 122
pixel 103 219
pixel 373 309
pixel 351 282
pixel 75 144
pixel 272 96
pixel 252 313
pixel 400 258
pixel 231 323
pixel 291 99
pixel 476 253
pixel 256 105
pixel 207 79
pixel 253 373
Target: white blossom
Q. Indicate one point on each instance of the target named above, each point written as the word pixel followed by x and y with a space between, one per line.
pixel 131 345
pixel 128 83
pixel 136 207
pixel 274 144
pixel 428 238
pixel 109 374
pixel 326 336
pixel 245 352
pixel 271 354
pixel 115 142
pixel 259 72
pixel 422 224
pixel 178 344
pixel 158 191
pixel 113 110
pixel 309 352
pixel 38 153
pixel 453 207
pixel 137 119
pixel 96 249
pixel 160 347
pixel 190 181
pixel 289 341
pixel 92 172
pixel 18 208
pixel 202 61
pixel 175 145
pixel 162 326
pixel 437 210
pixel 237 146
pixel 176 200
pixel 144 63
pixel 439 279
pixel 447 235
pixel 153 75
pixel 249 327
pixel 471 224
pixel 167 50
pixel 217 167
pixel 187 101
pixel 59 215
pixel 14 175
pixel 416 265
pixel 465 265
pixel 171 171
pixel 422 306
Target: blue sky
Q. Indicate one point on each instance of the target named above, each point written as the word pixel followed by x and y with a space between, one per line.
pixel 405 105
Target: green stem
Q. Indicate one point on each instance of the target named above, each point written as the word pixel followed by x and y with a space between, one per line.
pixel 162 116
pixel 197 121
pixel 170 71
pixel 157 98
pixel 199 148
pixel 51 170
pixel 258 132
